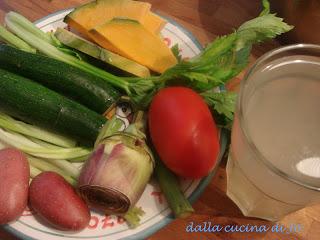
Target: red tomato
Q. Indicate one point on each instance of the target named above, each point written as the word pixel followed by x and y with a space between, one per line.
pixel 183 132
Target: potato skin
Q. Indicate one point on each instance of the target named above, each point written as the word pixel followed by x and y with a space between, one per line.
pixel 56 201
pixel 14 184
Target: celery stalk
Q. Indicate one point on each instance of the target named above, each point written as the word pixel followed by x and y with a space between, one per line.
pixel 26 145
pixel 221 60
pixel 34 171
pixel 34 131
pixel 170 187
pixel 136 88
pixel 26 24
pixel 46 166
pixel 14 41
pixel 79 159
pixel 68 167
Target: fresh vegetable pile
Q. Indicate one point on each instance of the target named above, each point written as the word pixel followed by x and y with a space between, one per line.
pixel 58 92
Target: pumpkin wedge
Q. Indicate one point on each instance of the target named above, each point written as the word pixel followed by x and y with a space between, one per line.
pixel 154 23
pixel 135 42
pixel 97 12
pixel 94 13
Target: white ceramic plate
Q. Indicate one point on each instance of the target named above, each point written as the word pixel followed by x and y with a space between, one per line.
pixel 158 214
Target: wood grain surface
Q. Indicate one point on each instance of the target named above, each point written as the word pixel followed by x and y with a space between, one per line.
pixel 205 19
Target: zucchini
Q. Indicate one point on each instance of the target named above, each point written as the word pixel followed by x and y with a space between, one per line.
pixel 91 91
pixel 38 105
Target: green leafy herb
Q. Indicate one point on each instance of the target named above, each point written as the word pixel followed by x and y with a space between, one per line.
pixel 227 56
pixel 260 29
pixel 176 52
pixel 223 106
pixel 266 7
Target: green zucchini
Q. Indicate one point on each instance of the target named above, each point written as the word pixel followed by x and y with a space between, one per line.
pixel 91 91
pixel 38 105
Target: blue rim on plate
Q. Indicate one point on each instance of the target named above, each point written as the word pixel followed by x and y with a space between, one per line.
pixel 203 183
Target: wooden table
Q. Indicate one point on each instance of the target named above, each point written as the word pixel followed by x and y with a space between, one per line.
pixel 206 19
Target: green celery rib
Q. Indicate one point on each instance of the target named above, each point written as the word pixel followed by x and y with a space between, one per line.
pixel 46 166
pixel 9 123
pixel 136 88
pixel 14 41
pixel 79 159
pixel 169 185
pixel 26 31
pixel 66 166
pixel 26 145
pixel 34 171
pixel 26 24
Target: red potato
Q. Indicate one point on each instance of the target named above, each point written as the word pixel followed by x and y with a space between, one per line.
pixel 56 201
pixel 183 132
pixel 14 184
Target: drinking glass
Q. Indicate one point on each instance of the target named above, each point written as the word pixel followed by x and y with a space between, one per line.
pixel 274 161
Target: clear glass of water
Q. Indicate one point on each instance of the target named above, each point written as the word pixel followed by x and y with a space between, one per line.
pixel 274 161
